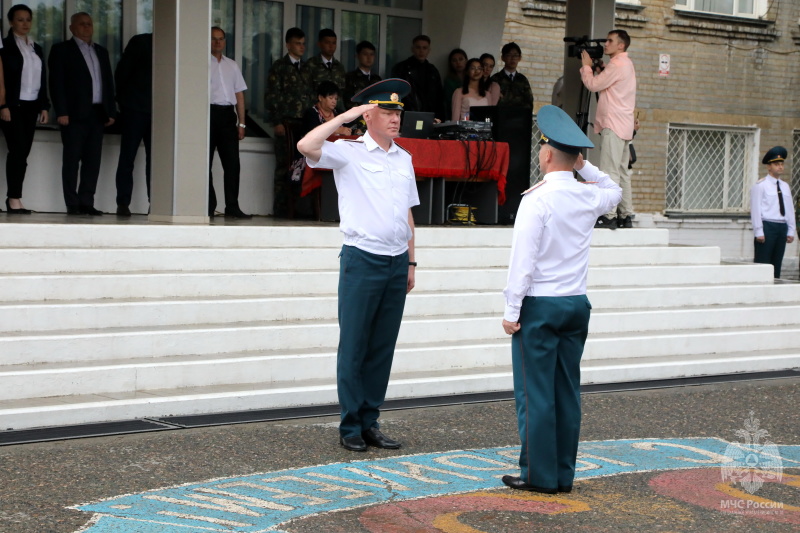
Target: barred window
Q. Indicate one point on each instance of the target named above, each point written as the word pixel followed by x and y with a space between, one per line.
pixel 536 134
pixel 710 169
pixel 741 8
pixel 796 167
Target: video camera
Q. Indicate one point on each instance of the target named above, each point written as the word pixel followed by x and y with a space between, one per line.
pixel 593 46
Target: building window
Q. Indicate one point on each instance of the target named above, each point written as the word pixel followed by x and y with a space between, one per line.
pixel 256 40
pixel 709 169
pixel 536 134
pixel 311 20
pixel 357 27
pixel 262 25
pixel 795 155
pixel 107 18
pixel 740 8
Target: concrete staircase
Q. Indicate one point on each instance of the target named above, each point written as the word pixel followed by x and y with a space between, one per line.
pixel 105 322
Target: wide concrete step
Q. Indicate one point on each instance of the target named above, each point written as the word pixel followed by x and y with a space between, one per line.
pixel 85 408
pixel 315 235
pixel 424 345
pixel 162 341
pixel 50 260
pixel 142 313
pixel 191 284
pixel 683 307
pixel 692 365
pixel 678 296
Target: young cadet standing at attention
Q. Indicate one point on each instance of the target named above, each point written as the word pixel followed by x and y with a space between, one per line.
pixel 772 212
pixel 377 189
pixel 547 311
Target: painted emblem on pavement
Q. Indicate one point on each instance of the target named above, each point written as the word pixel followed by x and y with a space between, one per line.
pixel 755 463
pixel 269 501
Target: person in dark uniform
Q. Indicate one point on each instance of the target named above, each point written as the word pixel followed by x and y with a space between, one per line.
pixel 427 92
pixel 26 100
pixel 324 67
pixel 362 76
pixel 547 312
pixel 377 189
pixel 134 79
pixel 513 87
pixel 286 99
pixel 772 212
pixel 82 89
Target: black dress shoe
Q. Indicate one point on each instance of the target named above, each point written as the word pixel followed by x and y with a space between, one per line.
pixel 17 211
pixel 237 213
pixel 354 444
pixel 123 211
pixel 374 437
pixel 516 483
pixel 565 488
pixel 73 210
pixel 90 210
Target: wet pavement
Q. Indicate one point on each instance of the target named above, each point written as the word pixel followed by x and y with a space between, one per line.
pixel 651 461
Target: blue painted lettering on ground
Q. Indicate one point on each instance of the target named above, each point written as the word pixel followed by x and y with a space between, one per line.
pixel 262 502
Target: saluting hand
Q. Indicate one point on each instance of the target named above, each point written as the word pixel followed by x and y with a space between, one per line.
pixel 351 114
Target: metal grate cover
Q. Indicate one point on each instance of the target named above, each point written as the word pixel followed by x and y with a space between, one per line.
pixel 707 169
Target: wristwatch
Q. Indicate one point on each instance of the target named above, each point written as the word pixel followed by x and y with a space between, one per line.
pixel 412 263
pixel 241 125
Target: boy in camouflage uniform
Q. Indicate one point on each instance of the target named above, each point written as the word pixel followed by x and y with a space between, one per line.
pixel 515 90
pixel 286 99
pixel 324 67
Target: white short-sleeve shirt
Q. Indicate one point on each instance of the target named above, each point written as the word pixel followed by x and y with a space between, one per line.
pixel 376 189
pixel 225 80
pixel 552 233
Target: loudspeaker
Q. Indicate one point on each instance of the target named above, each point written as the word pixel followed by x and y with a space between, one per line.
pixel 512 125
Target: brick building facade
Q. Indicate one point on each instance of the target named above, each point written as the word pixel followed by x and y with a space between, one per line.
pixel 732 86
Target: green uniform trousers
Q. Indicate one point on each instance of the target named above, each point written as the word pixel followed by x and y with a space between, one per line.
pixel 372 295
pixel 546 355
pixel 770 252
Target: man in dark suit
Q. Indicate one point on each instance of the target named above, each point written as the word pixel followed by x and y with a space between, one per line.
pixel 82 90
pixel 134 81
pixel 427 93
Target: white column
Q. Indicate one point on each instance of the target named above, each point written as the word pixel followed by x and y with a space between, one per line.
pixel 181 46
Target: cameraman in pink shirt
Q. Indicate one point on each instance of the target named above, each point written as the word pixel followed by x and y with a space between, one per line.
pixel 614 119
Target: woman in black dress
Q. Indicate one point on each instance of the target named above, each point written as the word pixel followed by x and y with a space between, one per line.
pixel 26 100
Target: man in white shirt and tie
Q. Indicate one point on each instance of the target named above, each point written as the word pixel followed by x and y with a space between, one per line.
pixel 772 212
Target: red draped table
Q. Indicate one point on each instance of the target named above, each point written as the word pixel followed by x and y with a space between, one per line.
pixel 436 161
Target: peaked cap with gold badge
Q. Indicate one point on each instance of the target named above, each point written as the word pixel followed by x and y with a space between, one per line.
pixel 776 154
pixel 387 94
pixel 560 131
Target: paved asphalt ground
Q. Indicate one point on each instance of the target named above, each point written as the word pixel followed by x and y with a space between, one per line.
pixel 38 482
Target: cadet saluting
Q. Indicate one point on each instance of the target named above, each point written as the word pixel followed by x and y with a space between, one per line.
pixel 547 311
pixel 772 212
pixel 377 189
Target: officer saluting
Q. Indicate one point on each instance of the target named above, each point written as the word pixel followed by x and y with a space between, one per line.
pixel 772 212
pixel 377 189
pixel 547 312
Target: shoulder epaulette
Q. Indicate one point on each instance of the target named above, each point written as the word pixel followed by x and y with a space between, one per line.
pixel 534 187
pixel 762 179
pixel 589 182
pixel 359 140
pixel 403 149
